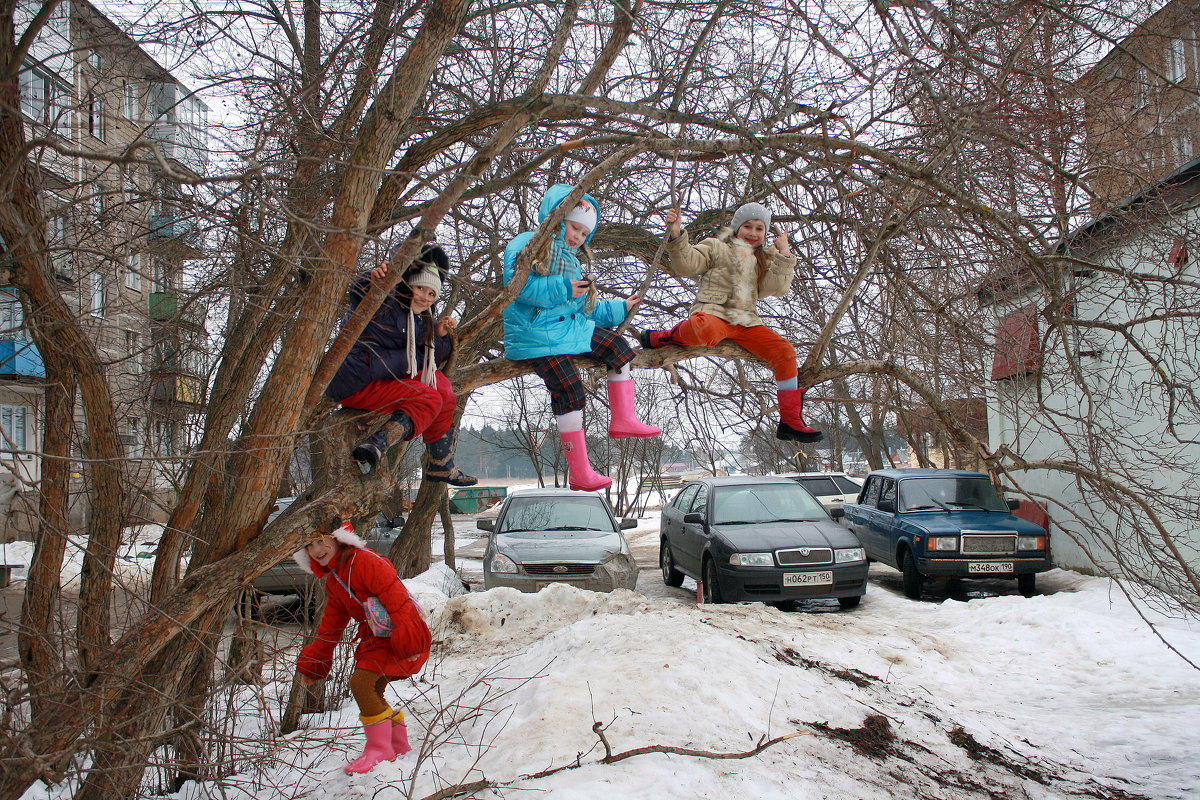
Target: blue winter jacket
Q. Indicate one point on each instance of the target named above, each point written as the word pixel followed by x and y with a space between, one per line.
pixel 544 320
pixel 381 353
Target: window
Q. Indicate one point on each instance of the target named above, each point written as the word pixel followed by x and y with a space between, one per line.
pixel 871 491
pixel 684 500
pixel 887 492
pixel 12 317
pixel 95 107
pixel 96 294
pixel 131 436
pixel 45 99
pixel 94 60
pixel 133 352
pixel 164 439
pixel 133 271
pixel 1141 92
pixel 1018 346
pixel 129 101
pixel 96 201
pixel 1184 147
pixel 1176 61
pixel 160 277
pixel 56 239
pixel 700 504
pixel 13 421
pixel 846 485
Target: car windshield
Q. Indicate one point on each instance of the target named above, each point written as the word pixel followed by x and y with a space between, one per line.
pixel 771 502
pixel 926 494
pixel 556 514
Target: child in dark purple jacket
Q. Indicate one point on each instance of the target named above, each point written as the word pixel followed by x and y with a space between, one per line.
pixel 394 368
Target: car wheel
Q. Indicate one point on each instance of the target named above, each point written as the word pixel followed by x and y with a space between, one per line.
pixel 913 579
pixel 1027 584
pixel 850 602
pixel 712 589
pixel 671 576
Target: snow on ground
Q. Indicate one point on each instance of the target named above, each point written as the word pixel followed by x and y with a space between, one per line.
pixel 1064 694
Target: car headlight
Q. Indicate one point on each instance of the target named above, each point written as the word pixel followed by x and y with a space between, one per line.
pixel 752 560
pixel 1031 542
pixel 942 544
pixel 502 563
pixel 849 554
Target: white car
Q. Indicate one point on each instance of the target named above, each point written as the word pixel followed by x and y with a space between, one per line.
pixel 832 489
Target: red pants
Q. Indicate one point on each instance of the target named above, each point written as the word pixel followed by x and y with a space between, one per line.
pixel 431 409
pixel 705 330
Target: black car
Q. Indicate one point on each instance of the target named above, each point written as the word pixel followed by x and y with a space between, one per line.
pixel 759 539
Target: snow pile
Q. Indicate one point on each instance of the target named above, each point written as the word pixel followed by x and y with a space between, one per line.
pixel 1062 695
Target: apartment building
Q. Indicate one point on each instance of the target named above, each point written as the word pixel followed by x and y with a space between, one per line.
pixel 120 238
pixel 1143 104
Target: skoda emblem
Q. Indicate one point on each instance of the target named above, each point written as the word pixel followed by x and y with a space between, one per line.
pixel 560 569
pixel 804 551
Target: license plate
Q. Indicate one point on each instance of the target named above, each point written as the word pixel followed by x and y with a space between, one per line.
pixel 990 566
pixel 807 578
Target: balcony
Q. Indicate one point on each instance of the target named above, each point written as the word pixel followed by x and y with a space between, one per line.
pixel 20 359
pixel 177 390
pixel 165 307
pixel 174 233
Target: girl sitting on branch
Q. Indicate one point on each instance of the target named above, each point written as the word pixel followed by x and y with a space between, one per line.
pixel 735 269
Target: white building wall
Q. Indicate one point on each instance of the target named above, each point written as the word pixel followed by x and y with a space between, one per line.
pixel 1118 403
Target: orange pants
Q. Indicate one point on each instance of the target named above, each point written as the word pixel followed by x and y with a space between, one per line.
pixel 705 330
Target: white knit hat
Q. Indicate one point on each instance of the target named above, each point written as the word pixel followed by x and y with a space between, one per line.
pixel 751 211
pixel 584 214
pixel 427 277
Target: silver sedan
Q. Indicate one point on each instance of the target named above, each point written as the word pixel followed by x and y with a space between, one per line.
pixel 545 536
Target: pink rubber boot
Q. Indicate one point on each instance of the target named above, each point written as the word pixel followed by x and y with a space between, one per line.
pixel 400 734
pixel 625 424
pixel 379 744
pixel 581 476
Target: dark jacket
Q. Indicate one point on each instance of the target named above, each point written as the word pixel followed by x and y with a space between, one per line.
pixel 381 352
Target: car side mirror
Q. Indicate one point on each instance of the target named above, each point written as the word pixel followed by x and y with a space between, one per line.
pixel 887 506
pixel 837 513
pixel 693 518
pixel 1014 505
pixel 485 524
pixel 628 523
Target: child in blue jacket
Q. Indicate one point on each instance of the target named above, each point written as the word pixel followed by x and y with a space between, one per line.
pixel 556 316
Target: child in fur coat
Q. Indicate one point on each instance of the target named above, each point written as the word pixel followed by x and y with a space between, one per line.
pixel 353 575
pixel 734 270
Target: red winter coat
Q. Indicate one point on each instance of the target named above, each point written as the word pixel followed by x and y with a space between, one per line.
pixel 367 573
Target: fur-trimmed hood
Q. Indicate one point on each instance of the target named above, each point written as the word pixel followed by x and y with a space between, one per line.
pixel 344 534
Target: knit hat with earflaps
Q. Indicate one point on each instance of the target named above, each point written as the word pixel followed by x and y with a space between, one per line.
pixel 750 211
pixel 344 534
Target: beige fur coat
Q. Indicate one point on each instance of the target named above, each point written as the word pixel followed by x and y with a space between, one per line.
pixel 726 270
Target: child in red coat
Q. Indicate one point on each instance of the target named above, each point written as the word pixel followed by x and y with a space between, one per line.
pixel 353 576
